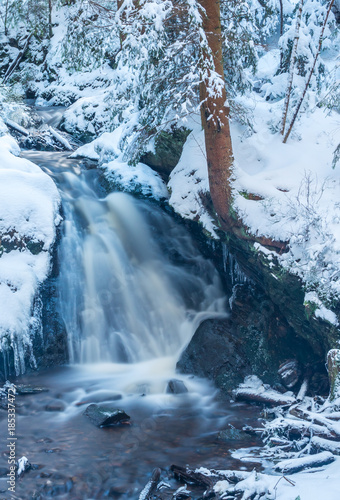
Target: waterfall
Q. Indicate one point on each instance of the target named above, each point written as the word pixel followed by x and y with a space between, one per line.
pixel 132 285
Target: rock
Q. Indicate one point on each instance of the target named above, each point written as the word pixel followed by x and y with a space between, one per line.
pixel 214 353
pixel 290 373
pixel 176 386
pixel 168 150
pixel 254 339
pixel 103 417
pixel 23 465
pixel 100 397
pixel 232 434
pixel 25 390
pixel 55 406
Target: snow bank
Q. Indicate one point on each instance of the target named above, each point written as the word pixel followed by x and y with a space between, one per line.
pixel 29 213
pixel 313 485
pixel 290 192
pixel 188 184
pixel 137 178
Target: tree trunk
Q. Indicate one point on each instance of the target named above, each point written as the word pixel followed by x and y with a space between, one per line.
pixel 50 32
pixel 215 121
pixel 281 33
pixel 17 61
pixel 291 67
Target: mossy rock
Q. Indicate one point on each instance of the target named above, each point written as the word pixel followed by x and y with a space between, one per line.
pixel 168 150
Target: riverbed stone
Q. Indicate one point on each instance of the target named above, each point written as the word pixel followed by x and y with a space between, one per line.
pixel 102 416
pixel 24 390
pixel 176 386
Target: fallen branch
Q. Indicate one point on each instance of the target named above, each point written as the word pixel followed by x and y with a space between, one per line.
pixel 294 465
pixel 315 418
pixel 17 61
pixel 18 128
pixel 269 397
pixel 151 486
pixel 193 477
pixel 59 138
pixel 325 444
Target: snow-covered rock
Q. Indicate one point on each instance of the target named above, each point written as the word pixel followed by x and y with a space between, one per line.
pixel 29 214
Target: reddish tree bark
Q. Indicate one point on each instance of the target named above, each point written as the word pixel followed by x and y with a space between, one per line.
pixel 215 121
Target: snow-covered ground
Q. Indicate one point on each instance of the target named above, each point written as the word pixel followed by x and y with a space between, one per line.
pixel 29 214
pixel 131 178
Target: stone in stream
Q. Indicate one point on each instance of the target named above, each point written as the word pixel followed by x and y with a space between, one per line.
pixel 176 386
pixel 103 417
pixel 100 397
pixel 232 434
pixel 24 390
pixel 55 406
pixel 23 465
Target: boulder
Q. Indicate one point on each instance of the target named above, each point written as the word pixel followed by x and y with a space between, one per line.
pixel 101 416
pixel 255 339
pixel 176 386
pixel 168 150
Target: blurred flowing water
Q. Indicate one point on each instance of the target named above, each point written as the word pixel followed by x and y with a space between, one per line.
pixel 132 289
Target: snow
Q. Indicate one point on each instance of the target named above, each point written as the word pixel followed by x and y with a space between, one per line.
pixel 313 485
pixel 29 213
pixel 296 184
pixel 304 462
pixel 188 183
pixel 23 463
pixel 131 178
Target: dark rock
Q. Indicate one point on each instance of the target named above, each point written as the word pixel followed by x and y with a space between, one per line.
pixel 25 390
pixel 255 339
pixel 214 353
pixel 233 434
pixel 176 386
pixel 290 373
pixel 103 417
pixel 55 406
pixel 168 150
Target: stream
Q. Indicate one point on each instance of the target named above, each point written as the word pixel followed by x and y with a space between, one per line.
pixel 131 291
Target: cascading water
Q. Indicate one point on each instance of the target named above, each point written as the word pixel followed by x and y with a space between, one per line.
pixel 132 286
pixel 122 299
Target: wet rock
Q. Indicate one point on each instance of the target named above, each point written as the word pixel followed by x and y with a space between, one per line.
pixel 99 397
pixel 214 353
pixel 55 406
pixel 25 390
pixel 290 373
pixel 176 386
pixel 232 434
pixel 254 339
pixel 23 465
pixel 102 416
